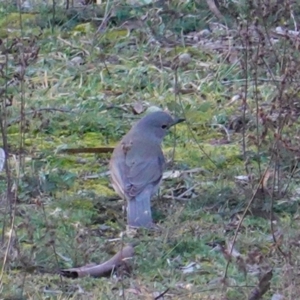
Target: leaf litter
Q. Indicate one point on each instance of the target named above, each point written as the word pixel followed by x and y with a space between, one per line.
pixel 71 75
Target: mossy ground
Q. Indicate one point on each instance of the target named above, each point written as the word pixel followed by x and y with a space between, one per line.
pixel 64 200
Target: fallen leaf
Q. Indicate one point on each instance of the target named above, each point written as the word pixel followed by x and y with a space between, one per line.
pixel 262 287
pixel 138 108
pixel 277 297
pixel 77 60
pixel 171 174
pixel 190 268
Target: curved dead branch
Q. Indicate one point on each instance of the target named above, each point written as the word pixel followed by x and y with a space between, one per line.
pixel 120 260
pixel 214 9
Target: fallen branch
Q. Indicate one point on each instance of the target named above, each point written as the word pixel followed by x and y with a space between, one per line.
pixel 87 150
pixel 214 9
pixel 121 259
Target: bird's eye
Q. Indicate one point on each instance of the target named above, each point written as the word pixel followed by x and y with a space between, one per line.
pixel 164 126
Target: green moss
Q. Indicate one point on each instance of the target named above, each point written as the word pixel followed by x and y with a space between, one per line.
pixel 223 156
pixel 115 35
pixel 92 139
pixel 17 21
pixel 195 52
pixel 83 28
pixel 100 187
pixel 85 204
pixel 3 33
pixel 13 130
pixel 57 205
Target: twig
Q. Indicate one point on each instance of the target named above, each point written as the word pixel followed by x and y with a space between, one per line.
pixel 106 17
pixel 180 197
pixel 162 294
pixel 175 198
pixel 244 214
pixel 226 131
pixel 95 176
pixel 87 150
pixel 73 46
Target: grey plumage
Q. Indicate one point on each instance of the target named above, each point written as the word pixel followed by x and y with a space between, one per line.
pixel 137 165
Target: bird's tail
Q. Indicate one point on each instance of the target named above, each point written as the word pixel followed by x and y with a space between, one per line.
pixel 139 211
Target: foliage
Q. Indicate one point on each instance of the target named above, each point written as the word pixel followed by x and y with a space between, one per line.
pixel 80 77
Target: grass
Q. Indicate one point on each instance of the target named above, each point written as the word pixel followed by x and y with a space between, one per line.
pixel 80 92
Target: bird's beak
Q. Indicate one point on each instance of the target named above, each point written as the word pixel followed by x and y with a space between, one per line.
pixel 177 120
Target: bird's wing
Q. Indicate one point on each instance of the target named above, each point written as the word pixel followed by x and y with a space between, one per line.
pixel 142 173
pixel 135 171
pixel 118 172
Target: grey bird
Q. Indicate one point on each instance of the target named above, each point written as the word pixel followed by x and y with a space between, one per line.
pixel 137 165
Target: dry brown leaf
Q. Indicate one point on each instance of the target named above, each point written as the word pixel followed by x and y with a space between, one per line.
pixel 262 287
pixel 265 179
pixel 138 108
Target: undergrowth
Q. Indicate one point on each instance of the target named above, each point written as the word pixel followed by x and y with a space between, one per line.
pixel 228 206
